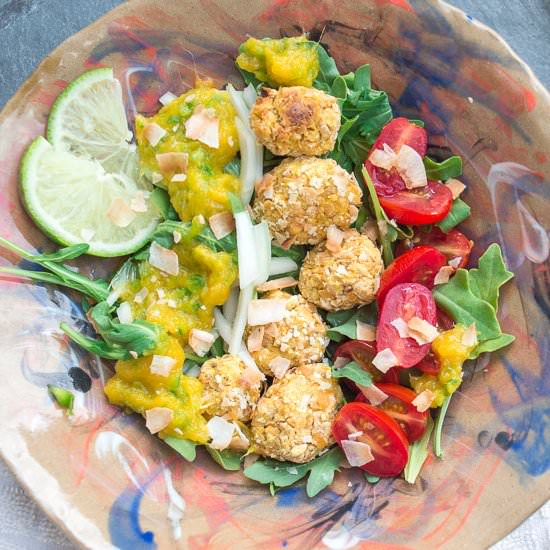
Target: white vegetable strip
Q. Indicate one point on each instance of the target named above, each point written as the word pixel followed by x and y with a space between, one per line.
pixel 239 103
pixel 223 326
pixel 246 250
pixel 263 246
pixel 249 160
pixel 241 317
pixel 230 306
pixel 278 266
pixel 250 96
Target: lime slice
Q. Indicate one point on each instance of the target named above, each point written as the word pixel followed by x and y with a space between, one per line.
pixel 71 199
pixel 88 119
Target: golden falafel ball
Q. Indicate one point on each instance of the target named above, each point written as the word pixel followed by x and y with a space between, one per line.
pixel 300 337
pixel 295 120
pixel 343 279
pixel 224 392
pixel 293 420
pixel 301 197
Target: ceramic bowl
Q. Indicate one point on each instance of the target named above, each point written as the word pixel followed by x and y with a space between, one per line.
pixel 108 482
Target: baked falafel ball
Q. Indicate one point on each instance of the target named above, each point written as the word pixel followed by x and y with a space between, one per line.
pixel 295 120
pixel 293 420
pixel 302 197
pixel 299 338
pixel 343 279
pixel 224 392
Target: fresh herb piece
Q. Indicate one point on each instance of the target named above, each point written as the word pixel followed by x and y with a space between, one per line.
pixel 490 275
pixel 250 78
pixel 371 479
pixel 96 347
pixel 161 199
pixel 449 168
pixel 63 397
pixel 439 427
pixel 327 70
pixel 236 204
pixel 233 167
pixel 63 254
pixel 217 348
pixel 187 449
pixel 296 253
pixel 492 345
pixel 227 459
pixel 352 371
pixel 458 300
pixel 418 453
pixel 225 244
pixel 284 474
pixel 344 323
pixel 458 213
pixel 362 217
pixel 194 358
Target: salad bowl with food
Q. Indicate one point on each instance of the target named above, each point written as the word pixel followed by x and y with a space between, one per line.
pixel 280 282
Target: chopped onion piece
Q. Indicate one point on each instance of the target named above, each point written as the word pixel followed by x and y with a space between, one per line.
pixel 221 224
pixel 241 318
pixel 124 313
pixel 384 360
pixel 250 95
pixel 230 305
pixel 263 249
pixel 278 266
pixel 164 259
pixel 279 366
pixel 161 365
pixel 200 341
pixel 222 325
pixel 364 331
pixel 357 453
pixel 266 310
pixel 277 284
pixel 167 98
pixel 249 160
pixel 221 432
pixel 423 400
pixel 411 168
pixel 158 418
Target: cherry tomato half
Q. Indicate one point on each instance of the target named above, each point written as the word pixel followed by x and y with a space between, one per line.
pixel 406 301
pixel 453 244
pixel 429 364
pixel 388 442
pixel 399 406
pixel 429 204
pixel 419 265
pixel 363 352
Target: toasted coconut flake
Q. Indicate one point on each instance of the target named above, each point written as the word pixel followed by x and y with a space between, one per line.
pixel 178 177
pixel 161 365
pixel 373 394
pixel 370 229
pixel 355 435
pixel 383 158
pixel 357 453
pixel 422 331
pixel 455 262
pixel 335 238
pixel 423 400
pixel 365 331
pixel 255 339
pixel 250 459
pixel 140 296
pixel 456 187
pixel 401 326
pixel 239 442
pixel 204 126
pixel 153 133
pixel 200 341
pixel 264 186
pixel 172 162
pixel 221 224
pixel 469 338
pixel 443 275
pixel 266 311
pixel 176 235
pixel 279 366
pixel 167 98
pixel 158 418
pixel 120 213
pixel 277 284
pixel 340 362
pixel 124 313
pixel 411 168
pixel 163 259
pixel 384 360
pixel 138 203
pixel 156 177
pixel 133 354
pixel 221 432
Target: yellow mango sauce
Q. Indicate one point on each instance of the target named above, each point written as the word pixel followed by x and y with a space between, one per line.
pixel 206 186
pixel 451 352
pixel 284 62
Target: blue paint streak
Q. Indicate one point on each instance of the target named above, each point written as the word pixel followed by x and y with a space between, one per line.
pixel 286 498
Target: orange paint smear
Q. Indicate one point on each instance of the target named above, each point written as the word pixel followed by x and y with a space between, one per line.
pixel 403 4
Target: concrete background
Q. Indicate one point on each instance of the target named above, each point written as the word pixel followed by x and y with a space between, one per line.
pixel 30 29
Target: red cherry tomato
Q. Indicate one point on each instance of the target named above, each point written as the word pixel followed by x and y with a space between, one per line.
pixel 363 352
pixel 388 442
pixel 453 244
pixel 421 206
pixel 399 406
pixel 419 265
pixel 429 365
pixel 406 300
pixel 444 322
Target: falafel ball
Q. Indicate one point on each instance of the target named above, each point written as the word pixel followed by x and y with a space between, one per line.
pixel 343 279
pixel 299 338
pixel 224 393
pixel 302 197
pixel 293 420
pixel 295 120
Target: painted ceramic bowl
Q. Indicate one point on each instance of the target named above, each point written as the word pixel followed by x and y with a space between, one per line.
pixel 108 482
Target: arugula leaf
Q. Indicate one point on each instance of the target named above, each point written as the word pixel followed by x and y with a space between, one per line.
pixel 491 274
pixel 344 323
pixel 492 345
pixel 458 300
pixel 225 244
pixel 418 453
pixel 67 253
pixel 96 347
pixel 327 70
pixel 161 199
pixel 352 371
pixel 227 459
pixel 187 449
pixel 439 427
pixel 449 168
pixel 459 212
pixel 283 474
pixel 217 348
pixel 250 78
pixel 63 397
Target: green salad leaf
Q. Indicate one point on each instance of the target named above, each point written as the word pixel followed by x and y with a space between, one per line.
pixel 283 474
pixel 445 170
pixel 225 244
pixel 227 459
pixel 161 199
pixel 492 345
pixel 418 453
pixel 344 323
pixel 187 449
pixel 63 397
pixel 94 346
pixel 459 212
pixel 352 371
pixel 328 70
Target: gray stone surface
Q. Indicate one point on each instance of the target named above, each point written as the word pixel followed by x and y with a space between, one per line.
pixel 30 29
